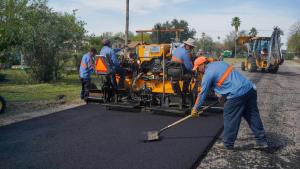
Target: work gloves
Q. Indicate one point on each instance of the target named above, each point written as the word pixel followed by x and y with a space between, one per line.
pixel 194 113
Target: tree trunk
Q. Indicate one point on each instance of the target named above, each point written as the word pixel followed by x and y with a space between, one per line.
pixel 235 44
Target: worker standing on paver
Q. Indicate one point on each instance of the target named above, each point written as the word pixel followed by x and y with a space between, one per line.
pixel 85 71
pixel 239 95
pixel 183 56
pixel 107 51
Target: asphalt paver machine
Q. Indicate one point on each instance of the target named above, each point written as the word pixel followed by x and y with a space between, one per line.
pixel 149 82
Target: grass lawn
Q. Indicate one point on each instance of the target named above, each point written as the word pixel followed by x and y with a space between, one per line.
pixel 17 88
pixel 234 60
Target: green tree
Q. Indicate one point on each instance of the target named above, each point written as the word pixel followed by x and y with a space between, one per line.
pixel 236 23
pixel 51 38
pixel 45 38
pixel 167 37
pixel 122 35
pixel 11 22
pixel 293 45
pixel 107 35
pixel 229 42
pixel 146 37
pixel 206 43
pixel 253 32
pixel 94 42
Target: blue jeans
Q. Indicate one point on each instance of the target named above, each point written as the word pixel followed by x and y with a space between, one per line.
pixel 85 87
pixel 236 108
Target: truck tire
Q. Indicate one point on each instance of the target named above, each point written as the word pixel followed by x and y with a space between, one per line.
pixel 2 105
pixel 243 66
pixel 273 69
pixel 252 64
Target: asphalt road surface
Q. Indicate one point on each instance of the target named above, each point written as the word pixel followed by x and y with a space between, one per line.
pixel 279 104
pixel 91 137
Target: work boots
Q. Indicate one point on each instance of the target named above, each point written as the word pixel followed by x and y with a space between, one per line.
pixel 222 146
pixel 261 146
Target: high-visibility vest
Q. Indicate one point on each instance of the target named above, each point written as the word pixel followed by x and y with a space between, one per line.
pixel 174 59
pixel 221 80
pixel 224 76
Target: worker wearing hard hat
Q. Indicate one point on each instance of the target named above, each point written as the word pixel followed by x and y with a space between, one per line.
pixel 107 51
pixel 182 55
pixel 85 71
pixel 240 99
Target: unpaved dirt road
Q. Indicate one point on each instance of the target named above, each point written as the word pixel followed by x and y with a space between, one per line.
pixel 279 104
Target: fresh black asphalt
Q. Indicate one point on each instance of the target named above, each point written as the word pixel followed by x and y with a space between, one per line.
pixel 90 136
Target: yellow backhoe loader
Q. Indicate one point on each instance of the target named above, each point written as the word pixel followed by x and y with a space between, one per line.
pixel 264 53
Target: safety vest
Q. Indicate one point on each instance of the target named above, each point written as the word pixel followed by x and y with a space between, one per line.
pixel 221 80
pixel 224 76
pixel 174 59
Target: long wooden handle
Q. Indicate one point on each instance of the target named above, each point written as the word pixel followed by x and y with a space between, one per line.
pixel 187 117
pixel 175 123
pixel 179 121
pixel 209 106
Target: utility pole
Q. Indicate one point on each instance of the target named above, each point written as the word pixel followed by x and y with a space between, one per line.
pixel 127 26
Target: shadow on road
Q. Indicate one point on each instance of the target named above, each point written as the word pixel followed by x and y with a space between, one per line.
pixel 287 73
pixel 276 142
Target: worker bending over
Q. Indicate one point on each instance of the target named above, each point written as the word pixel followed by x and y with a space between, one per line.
pixel 182 55
pixel 240 99
pixel 85 71
pixel 116 67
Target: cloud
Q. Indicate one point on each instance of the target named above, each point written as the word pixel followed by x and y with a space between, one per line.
pixel 215 20
pixel 136 6
pixel 218 22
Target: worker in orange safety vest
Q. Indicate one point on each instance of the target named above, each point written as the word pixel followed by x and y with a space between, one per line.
pixel 85 71
pixel 239 96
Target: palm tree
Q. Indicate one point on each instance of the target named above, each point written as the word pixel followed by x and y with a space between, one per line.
pixel 253 32
pixel 236 23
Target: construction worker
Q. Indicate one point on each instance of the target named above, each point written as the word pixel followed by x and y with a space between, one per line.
pixel 221 57
pixel 85 71
pixel 107 51
pixel 239 95
pixel 200 53
pixel 182 55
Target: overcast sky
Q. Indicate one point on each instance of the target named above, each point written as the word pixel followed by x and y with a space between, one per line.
pixel 210 16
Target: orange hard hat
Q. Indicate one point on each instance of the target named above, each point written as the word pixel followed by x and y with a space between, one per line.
pixel 211 60
pixel 199 61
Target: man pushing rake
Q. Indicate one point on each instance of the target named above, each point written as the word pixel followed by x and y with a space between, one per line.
pixel 239 97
